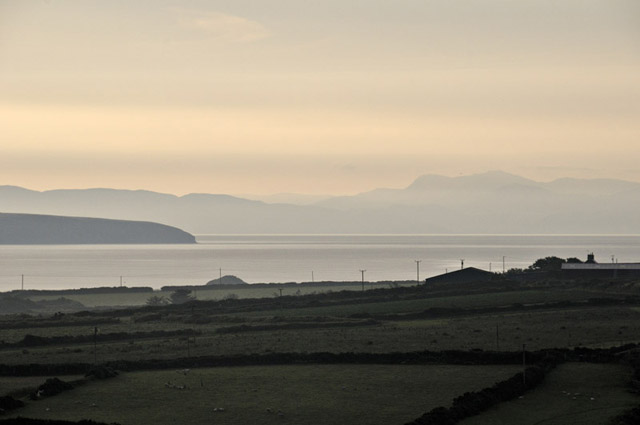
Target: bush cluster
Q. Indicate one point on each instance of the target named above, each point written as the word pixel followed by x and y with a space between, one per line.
pixel 51 387
pixel 8 403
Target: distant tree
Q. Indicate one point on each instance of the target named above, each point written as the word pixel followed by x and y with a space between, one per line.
pixel 547 264
pixel 157 300
pixel 181 296
pixel 515 271
pixel 574 260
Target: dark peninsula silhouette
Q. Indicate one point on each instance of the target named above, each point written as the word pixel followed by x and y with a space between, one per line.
pixel 31 229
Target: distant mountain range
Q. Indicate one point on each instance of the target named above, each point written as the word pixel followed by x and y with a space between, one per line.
pixel 493 202
pixel 22 229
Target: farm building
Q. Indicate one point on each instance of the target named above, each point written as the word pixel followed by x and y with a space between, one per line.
pixel 468 275
pixel 593 270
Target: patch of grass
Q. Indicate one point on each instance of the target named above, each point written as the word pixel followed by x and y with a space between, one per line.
pixel 574 393
pixel 591 327
pixel 310 394
pixel 494 299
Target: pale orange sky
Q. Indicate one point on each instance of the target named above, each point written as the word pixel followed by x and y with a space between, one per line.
pixel 336 97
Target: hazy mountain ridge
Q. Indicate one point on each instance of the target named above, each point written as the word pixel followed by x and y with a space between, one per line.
pixel 493 202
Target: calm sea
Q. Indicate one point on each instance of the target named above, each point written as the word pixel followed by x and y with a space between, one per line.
pixel 287 258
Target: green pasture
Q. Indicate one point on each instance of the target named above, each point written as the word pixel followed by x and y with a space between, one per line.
pixel 574 393
pixel 591 327
pixel 309 394
pixel 251 291
pixel 206 294
pixel 469 301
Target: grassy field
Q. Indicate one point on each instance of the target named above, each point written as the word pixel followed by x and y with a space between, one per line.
pixel 494 299
pixel 261 291
pixel 321 394
pixel 204 294
pixel 593 327
pixel 574 393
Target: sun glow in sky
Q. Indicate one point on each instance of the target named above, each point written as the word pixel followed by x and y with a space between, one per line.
pixel 336 97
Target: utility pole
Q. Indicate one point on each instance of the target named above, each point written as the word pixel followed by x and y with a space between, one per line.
pixel 503 269
pixel 121 281
pixel 312 279
pixel 418 271
pixel 362 272
pixel 22 283
pixel 461 263
pixel 220 280
pixel 489 266
pixel 95 345
pixel 280 289
pixel 524 365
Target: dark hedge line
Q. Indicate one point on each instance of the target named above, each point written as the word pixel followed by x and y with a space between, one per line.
pixel 34 340
pixel 422 357
pixel 57 321
pixel 328 284
pixel 288 326
pixel 472 403
pixel 474 357
pixel 45 369
pixel 98 290
pixel 28 421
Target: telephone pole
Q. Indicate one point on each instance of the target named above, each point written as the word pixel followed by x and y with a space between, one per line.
pixel 461 263
pixel 418 271
pixel 503 269
pixel 95 345
pixel 22 283
pixel 524 364
pixel 312 279
pixel 220 280
pixel 121 281
pixel 362 272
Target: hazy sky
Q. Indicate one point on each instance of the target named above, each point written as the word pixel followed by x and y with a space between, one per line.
pixel 332 96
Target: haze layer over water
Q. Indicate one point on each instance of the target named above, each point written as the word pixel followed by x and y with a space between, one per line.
pixel 289 258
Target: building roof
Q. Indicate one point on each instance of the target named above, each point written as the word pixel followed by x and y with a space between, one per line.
pixel 467 275
pixel 601 266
